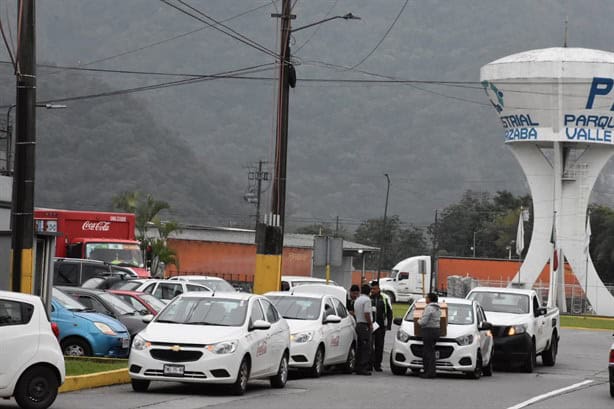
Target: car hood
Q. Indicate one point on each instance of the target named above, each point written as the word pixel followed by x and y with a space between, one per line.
pixel 504 318
pixel 453 330
pixel 97 317
pixel 303 325
pixel 190 334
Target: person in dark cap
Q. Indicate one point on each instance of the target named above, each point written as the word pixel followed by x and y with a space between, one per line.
pixel 353 295
pixel 382 315
pixel 364 327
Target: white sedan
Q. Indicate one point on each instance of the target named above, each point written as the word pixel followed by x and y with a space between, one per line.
pixel 467 347
pixel 225 338
pixel 322 331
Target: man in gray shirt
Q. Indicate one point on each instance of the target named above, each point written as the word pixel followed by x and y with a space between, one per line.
pixel 429 325
pixel 364 327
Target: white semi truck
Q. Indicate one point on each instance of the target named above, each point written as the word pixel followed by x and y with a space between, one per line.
pixel 409 279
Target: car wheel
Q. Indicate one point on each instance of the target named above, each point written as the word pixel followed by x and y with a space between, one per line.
pixel 350 362
pixel 139 385
pixel 240 386
pixel 611 389
pixel 318 364
pixel 549 355
pixel 76 347
pixel 397 370
pixel 279 380
pixel 37 388
pixel 529 363
pixel 488 369
pixel 477 371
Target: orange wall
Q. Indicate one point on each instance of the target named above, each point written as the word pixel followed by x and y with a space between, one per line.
pixel 202 257
pixel 489 270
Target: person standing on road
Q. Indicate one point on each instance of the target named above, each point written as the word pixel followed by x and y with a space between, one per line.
pixel 429 325
pixel 382 315
pixel 364 327
pixel 354 293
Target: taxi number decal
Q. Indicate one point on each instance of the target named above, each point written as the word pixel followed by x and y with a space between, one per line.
pixel 262 348
pixel 334 342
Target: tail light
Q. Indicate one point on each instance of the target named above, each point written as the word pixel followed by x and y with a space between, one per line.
pixel 56 331
pixel 612 356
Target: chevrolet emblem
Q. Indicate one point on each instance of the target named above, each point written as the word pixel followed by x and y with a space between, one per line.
pixel 175 348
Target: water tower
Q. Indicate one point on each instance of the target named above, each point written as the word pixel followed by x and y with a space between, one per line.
pixel 556 106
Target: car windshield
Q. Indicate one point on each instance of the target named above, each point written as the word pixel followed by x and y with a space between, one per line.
pixel 296 283
pixel 502 302
pixel 153 302
pixel 458 314
pixel 205 311
pixel 121 254
pixel 297 308
pixel 67 301
pixel 118 305
pixel 215 285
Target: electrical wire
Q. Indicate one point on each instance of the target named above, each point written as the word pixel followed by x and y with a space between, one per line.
pixel 383 37
pixel 7 45
pixel 230 32
pixel 317 29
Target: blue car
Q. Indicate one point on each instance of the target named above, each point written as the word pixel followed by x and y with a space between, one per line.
pixel 86 333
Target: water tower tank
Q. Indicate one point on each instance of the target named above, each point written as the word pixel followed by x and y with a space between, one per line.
pixel 556 107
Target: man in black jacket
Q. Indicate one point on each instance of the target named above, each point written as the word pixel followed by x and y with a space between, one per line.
pixel 382 315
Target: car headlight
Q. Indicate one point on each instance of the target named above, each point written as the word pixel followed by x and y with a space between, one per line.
pixel 402 336
pixel 140 344
pixel 301 337
pixel 104 328
pixel 516 329
pixel 225 347
pixel 465 340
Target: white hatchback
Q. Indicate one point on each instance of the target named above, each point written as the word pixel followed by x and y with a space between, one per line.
pixel 468 346
pixel 166 290
pixel 31 361
pixel 223 338
pixel 322 330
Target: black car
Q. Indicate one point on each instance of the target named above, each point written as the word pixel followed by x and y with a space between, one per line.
pixel 109 304
pixel 76 271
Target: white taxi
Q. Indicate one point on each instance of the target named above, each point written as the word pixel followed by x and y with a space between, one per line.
pixel 322 331
pixel 223 338
pixel 468 346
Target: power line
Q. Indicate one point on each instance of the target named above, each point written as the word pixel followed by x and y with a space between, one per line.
pixel 231 33
pixel 317 29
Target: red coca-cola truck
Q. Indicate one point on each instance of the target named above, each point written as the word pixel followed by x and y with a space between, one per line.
pixel 105 236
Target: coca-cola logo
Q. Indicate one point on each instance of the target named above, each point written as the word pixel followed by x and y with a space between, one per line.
pixel 96 226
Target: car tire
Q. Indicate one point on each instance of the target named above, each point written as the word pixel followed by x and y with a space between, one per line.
pixel 395 369
pixel 76 347
pixel 140 385
pixel 611 389
pixel 350 362
pixel 549 355
pixel 37 388
pixel 279 380
pixel 318 364
pixel 529 363
pixel 240 386
pixel 477 371
pixel 488 369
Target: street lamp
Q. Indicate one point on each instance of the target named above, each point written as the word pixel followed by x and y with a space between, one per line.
pixel 348 16
pixel 8 131
pixel 362 274
pixel 383 236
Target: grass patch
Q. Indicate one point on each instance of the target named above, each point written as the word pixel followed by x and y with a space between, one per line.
pixel 84 366
pixel 587 322
pixel 399 310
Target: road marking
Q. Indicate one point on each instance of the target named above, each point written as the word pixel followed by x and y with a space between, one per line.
pixel 549 395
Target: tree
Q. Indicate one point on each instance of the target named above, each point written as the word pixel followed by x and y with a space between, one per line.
pixel 323 229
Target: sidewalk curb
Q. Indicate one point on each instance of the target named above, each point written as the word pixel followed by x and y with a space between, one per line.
pixel 79 382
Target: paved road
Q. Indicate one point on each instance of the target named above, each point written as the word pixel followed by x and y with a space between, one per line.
pixel 583 356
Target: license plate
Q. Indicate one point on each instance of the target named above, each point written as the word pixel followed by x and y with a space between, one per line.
pixel 436 354
pixel 174 370
pixel 126 343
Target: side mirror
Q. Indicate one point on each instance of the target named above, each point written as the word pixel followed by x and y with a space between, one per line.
pixel 332 319
pixel 485 326
pixel 147 318
pixel 260 325
pixel 542 311
pixel 398 321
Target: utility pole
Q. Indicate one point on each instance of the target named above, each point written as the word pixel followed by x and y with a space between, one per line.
pixel 257 175
pixel 22 221
pixel 270 234
pixel 383 238
pixel 259 178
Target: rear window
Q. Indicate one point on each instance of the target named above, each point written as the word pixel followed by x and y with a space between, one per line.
pixel 15 313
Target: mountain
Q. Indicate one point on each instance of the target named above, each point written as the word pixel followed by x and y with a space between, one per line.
pixel 192 143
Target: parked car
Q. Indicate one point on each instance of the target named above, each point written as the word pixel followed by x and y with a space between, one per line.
pixel 143 302
pixel 289 282
pixel 214 283
pixel 87 333
pixel 321 331
pixel 468 346
pixel 75 271
pixel 109 304
pixel 611 370
pixel 31 361
pixel 225 338
pixel 166 290
pixel 129 285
